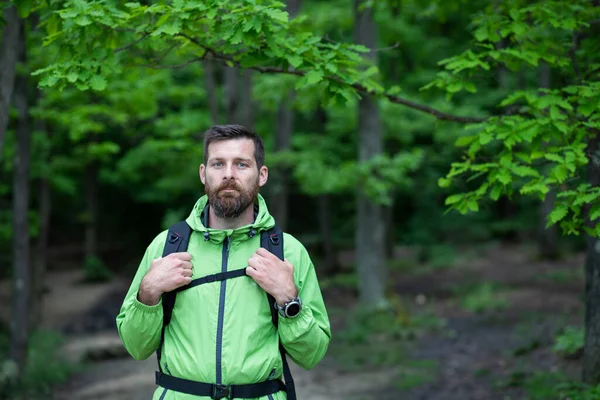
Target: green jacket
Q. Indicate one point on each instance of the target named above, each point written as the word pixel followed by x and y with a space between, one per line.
pixel 222 332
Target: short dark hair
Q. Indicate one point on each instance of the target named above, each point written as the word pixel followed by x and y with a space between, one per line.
pixel 218 133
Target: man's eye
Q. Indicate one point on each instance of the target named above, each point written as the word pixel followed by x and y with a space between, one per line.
pixel 243 165
pixel 217 164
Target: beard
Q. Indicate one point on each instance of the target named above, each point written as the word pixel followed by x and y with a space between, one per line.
pixel 230 205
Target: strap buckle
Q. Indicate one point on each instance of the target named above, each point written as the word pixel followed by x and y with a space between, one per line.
pixel 221 392
pixel 274 239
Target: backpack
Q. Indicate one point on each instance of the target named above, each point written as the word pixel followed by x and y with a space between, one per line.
pixel 177 241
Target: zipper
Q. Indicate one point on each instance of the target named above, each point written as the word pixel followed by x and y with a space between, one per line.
pixel 167 369
pixel 225 257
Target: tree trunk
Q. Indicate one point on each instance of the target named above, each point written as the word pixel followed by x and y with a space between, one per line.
pixel 330 265
pixel 231 94
pixel 245 109
pixel 548 237
pixel 370 230
pixel 284 128
pixel 38 273
pixel 21 278
pixel 211 90
pixel 41 255
pixel 591 350
pixel 9 53
pixel 91 199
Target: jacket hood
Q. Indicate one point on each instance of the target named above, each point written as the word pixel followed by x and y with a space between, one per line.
pixel 199 215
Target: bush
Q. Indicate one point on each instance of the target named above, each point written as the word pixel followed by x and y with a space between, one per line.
pixel 483 298
pixel 46 367
pixel 94 270
pixel 569 343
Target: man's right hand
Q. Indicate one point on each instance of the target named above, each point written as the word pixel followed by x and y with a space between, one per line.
pixel 165 274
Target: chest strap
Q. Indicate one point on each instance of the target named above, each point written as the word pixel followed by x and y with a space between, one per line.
pixel 218 392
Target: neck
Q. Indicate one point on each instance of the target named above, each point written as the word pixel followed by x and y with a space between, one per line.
pixel 246 218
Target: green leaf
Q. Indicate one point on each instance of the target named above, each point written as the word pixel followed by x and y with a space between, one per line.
pixel 453 199
pixel 495 193
pixel 503 177
pixel 98 82
pixel 559 212
pixel 295 60
pixel 444 182
pixel 472 205
pixel 595 212
pixel 553 157
pixel 465 140
pixel 560 173
pixel 277 15
pixel 485 138
pixel 481 34
pixel 83 20
pixel 314 76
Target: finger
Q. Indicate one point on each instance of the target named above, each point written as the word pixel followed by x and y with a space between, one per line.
pixel 255 263
pixel 184 256
pixel 187 272
pixel 251 272
pixel 186 265
pixel 264 253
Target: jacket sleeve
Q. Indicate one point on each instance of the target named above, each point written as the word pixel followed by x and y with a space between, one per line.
pixel 140 325
pixel 306 337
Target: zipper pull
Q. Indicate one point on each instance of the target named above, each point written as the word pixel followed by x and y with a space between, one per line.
pixel 167 369
pixel 272 375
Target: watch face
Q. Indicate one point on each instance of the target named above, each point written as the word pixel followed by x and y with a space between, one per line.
pixel 292 310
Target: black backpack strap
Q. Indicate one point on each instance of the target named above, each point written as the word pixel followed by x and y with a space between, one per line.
pixel 272 240
pixel 177 240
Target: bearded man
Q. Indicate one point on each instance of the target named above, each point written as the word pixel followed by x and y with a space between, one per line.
pixel 223 338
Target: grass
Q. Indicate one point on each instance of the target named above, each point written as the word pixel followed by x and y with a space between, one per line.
pixel 485 297
pixel 381 339
pixel 549 386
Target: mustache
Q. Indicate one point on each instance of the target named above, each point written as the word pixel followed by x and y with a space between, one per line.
pixel 229 185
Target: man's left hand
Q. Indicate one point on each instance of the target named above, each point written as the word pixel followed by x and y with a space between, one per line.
pixel 276 277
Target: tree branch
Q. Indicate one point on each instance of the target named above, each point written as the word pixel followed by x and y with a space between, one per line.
pixel 172 66
pixel 440 115
pixel 123 48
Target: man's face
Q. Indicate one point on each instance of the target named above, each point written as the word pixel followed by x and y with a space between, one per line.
pixel 231 177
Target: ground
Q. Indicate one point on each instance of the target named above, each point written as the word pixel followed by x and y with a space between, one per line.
pixel 478 326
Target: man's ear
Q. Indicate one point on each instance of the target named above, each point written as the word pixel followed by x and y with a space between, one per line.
pixel 203 174
pixel 263 175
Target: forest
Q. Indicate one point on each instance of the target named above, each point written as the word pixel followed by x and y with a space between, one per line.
pixel 439 160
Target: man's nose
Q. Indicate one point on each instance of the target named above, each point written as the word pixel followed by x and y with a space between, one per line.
pixel 229 172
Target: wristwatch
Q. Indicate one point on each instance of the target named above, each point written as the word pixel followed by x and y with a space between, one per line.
pixel 291 309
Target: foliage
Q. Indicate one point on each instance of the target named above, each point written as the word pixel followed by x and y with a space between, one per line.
pixel 94 270
pixel 46 367
pixel 570 341
pixel 552 385
pixel 382 339
pixel 541 143
pixel 92 34
pixel 484 297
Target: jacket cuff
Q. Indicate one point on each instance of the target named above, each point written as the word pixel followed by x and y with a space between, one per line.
pixel 300 324
pixel 138 305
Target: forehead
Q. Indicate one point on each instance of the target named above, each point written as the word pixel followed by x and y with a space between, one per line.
pixel 233 148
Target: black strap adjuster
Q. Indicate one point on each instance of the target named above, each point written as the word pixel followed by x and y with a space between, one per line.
pixel 221 392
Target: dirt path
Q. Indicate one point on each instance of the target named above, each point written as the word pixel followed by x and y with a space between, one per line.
pixel 87 316
pixel 476 355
